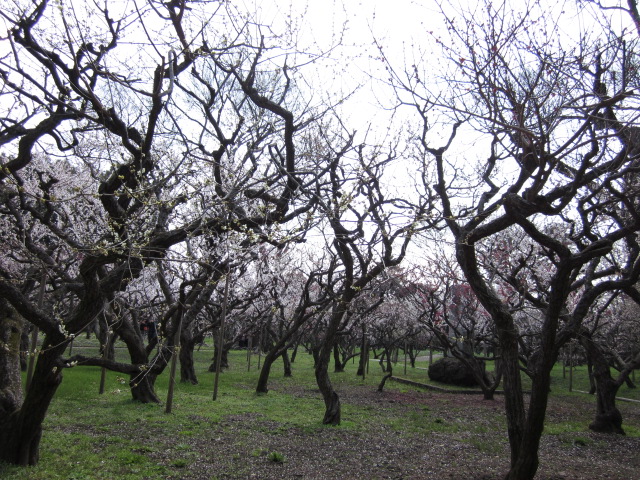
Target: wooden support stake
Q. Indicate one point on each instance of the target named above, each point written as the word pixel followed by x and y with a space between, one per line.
pixel 405 357
pixel 260 346
pixel 571 368
pixel 105 353
pixel 367 357
pixel 174 360
pixel 221 336
pixel 34 334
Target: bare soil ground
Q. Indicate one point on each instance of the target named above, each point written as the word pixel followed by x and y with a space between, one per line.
pixel 437 436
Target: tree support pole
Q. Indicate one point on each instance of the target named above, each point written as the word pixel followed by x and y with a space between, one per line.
pixel 34 334
pixel 570 368
pixel 105 353
pixel 174 361
pixel 221 339
pixel 405 357
pixel 260 346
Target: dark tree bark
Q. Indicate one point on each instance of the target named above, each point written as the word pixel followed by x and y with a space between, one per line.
pixel 388 355
pixel 338 367
pixel 142 388
pixel 508 338
pixel 278 350
pixel 413 355
pixel 592 380
pixel 362 368
pixel 608 417
pixel 11 328
pixel 153 343
pixel 140 382
pixel 107 340
pixel 224 359
pixel 286 364
pixel 331 399
pixel 187 364
pixel 263 379
pixel 342 355
pixel 294 353
pixel 21 430
pixel 24 347
pixel 630 384
pixel 383 382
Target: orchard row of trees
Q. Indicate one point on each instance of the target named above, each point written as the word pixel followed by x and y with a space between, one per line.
pixel 178 163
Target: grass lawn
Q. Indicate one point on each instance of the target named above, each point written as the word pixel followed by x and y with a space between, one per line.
pixel 279 435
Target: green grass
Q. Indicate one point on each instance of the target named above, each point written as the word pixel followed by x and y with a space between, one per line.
pixel 89 436
pixel 276 457
pixel 560 378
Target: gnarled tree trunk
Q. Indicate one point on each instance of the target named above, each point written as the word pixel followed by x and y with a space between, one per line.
pixel 224 359
pixel 271 356
pixel 11 328
pixel 330 397
pixel 141 383
pixel 21 425
pixel 265 371
pixel 188 342
pixel 608 417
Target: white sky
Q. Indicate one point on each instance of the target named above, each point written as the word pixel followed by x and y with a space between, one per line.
pixel 405 28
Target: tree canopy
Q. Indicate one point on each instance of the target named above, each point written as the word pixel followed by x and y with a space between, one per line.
pixel 172 164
